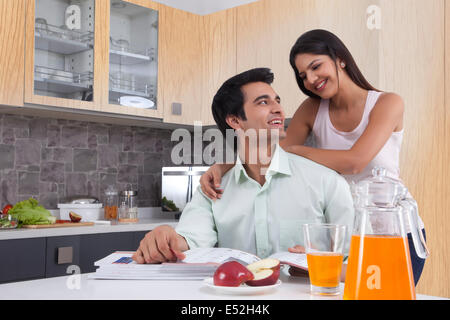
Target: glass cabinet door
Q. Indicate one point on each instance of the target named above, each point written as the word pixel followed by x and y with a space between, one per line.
pixel 64 48
pixel 133 49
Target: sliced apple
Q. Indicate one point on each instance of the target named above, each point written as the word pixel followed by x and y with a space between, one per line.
pixel 74 217
pixel 265 272
pixel 231 274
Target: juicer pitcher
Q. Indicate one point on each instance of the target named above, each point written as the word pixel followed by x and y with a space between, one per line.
pixel 379 264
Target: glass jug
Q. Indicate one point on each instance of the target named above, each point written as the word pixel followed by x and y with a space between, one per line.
pixel 379 263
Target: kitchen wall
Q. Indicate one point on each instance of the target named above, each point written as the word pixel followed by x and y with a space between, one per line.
pixel 50 159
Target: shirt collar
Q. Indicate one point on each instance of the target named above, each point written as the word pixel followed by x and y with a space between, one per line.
pixel 278 164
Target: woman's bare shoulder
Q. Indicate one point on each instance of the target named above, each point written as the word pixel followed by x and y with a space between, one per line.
pixel 389 106
pixel 310 104
pixel 308 110
pixel 391 99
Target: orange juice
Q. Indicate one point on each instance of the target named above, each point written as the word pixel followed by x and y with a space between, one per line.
pixel 324 268
pixel 382 272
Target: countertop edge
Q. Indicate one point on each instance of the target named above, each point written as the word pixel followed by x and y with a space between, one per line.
pixel 142 225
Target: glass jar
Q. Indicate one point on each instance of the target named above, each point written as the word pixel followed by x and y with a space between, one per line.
pixel 111 203
pixel 128 206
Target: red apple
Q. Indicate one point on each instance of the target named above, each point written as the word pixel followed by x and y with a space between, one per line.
pixel 74 217
pixel 231 274
pixel 265 272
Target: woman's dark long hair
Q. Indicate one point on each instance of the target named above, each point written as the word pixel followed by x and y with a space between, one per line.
pixel 326 43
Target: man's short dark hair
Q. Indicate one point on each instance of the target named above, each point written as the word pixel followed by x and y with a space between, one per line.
pixel 229 99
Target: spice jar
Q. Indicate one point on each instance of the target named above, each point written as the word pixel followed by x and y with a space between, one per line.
pixel 111 203
pixel 128 206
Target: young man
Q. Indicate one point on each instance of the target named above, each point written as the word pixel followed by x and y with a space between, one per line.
pixel 268 194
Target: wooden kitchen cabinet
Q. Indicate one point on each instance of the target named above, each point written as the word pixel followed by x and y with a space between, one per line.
pixel 199 55
pixel 60 64
pixel 133 59
pixel 181 74
pixel 75 68
pixel 12 52
pixel 193 56
pixel 219 35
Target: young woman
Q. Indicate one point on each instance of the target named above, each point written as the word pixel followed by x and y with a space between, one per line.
pixel 355 126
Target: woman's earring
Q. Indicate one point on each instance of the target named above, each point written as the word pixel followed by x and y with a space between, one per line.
pixel 342 64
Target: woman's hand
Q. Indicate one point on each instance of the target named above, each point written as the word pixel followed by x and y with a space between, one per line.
pixel 297 249
pixel 210 182
pixel 292 149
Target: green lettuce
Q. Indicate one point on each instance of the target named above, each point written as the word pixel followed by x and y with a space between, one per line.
pixel 30 212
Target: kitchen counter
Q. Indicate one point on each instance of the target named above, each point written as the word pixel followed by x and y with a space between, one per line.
pixel 143 225
pixel 79 287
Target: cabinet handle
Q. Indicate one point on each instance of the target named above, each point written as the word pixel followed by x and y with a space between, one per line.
pixel 65 255
pixel 176 109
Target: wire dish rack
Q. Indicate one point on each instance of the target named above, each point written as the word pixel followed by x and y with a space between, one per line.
pixel 44 29
pixel 127 84
pixel 61 81
pixel 60 39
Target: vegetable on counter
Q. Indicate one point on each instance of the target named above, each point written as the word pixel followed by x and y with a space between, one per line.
pixel 74 217
pixel 169 205
pixel 6 208
pixel 30 212
pixel 7 223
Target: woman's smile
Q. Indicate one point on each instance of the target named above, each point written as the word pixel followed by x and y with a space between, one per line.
pixel 321 85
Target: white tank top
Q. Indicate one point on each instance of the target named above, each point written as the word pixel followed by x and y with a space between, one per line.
pixel 326 136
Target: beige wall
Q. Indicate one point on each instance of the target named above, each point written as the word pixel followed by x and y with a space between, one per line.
pixel 412 60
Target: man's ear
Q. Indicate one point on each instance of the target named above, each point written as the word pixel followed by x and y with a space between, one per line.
pixel 233 121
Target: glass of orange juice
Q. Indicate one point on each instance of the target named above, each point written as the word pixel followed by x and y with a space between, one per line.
pixel 324 245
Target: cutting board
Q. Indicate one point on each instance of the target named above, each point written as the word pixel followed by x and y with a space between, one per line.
pixel 58 225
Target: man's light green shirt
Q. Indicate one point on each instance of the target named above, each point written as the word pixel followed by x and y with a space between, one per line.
pixel 267 219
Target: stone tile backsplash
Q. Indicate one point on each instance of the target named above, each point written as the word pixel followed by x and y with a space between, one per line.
pixel 51 159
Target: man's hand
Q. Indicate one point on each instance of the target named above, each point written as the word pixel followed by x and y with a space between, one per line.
pixel 162 244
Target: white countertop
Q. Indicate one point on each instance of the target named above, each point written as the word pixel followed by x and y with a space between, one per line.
pixel 143 225
pixel 79 287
